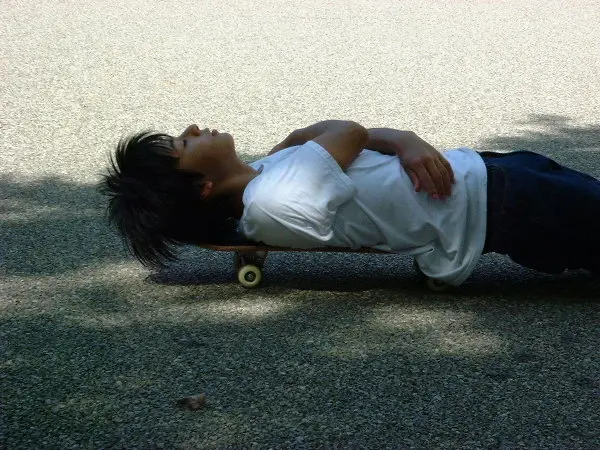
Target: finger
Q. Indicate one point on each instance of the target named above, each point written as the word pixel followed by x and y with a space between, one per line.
pixel 440 177
pixel 446 169
pixel 434 177
pixel 276 149
pixel 445 180
pixel 414 179
pixel 427 182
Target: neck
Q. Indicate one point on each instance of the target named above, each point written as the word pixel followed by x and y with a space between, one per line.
pixel 231 185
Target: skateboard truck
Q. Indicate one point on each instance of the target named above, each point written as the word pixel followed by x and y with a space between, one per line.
pixel 432 283
pixel 249 264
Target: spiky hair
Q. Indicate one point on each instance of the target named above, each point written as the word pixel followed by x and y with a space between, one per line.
pixel 153 204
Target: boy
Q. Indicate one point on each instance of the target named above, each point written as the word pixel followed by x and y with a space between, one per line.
pixel 321 187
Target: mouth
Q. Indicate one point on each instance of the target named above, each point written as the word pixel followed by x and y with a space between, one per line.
pixel 208 131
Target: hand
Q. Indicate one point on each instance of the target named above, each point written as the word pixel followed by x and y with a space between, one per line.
pixel 287 142
pixel 282 145
pixel 296 137
pixel 303 135
pixel 428 169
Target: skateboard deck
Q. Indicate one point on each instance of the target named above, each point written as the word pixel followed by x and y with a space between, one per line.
pixel 249 259
pixel 271 248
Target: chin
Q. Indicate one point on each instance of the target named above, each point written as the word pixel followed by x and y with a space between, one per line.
pixel 227 138
pixel 225 142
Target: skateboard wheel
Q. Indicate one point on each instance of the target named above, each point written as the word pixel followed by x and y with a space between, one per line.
pixel 249 276
pixel 437 285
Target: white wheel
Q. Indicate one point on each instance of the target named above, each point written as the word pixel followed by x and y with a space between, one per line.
pixel 437 285
pixel 249 276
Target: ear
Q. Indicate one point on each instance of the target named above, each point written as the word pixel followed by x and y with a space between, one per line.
pixel 206 189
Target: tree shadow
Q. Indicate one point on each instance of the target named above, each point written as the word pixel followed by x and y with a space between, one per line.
pixel 556 136
pixel 360 273
pixel 352 371
pixel 52 226
pixel 552 133
pixel 354 353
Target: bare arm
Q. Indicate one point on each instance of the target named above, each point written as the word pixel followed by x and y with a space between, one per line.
pixel 344 140
pixel 427 168
pixel 388 140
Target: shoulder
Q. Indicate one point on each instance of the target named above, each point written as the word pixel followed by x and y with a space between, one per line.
pixel 297 171
pixel 297 197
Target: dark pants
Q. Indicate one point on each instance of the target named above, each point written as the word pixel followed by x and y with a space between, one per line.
pixel 542 215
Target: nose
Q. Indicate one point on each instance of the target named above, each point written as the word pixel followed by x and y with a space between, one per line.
pixel 192 130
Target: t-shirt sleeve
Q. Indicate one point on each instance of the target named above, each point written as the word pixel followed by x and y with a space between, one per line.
pixel 295 202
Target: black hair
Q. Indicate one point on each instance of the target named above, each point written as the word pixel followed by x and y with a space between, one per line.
pixel 156 206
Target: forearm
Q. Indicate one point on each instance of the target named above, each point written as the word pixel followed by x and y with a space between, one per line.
pixel 428 169
pixel 384 140
pixel 390 141
pixel 303 135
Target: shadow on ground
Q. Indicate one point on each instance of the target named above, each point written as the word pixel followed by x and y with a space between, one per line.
pixel 54 226
pixel 51 226
pixel 557 137
pixel 346 351
pixel 355 273
pixel 348 369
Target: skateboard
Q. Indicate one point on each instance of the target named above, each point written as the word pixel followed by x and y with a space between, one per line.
pixel 249 260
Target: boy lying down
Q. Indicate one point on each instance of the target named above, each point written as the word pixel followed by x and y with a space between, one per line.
pixel 338 184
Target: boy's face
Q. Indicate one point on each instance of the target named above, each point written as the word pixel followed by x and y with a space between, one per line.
pixel 203 150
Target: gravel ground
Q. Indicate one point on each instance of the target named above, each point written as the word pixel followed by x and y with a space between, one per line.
pixel 334 351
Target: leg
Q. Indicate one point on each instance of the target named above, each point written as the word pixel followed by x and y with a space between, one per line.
pixel 543 215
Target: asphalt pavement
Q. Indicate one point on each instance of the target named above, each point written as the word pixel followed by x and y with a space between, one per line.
pixel 334 350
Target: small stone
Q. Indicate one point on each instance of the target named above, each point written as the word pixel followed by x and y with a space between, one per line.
pixel 193 402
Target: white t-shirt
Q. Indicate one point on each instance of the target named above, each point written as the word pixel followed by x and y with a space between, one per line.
pixel 303 199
